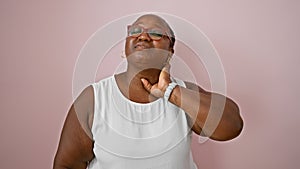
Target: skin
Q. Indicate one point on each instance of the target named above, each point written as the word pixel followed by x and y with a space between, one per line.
pixel 146 80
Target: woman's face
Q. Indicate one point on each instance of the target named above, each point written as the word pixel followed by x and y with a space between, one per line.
pixel 146 51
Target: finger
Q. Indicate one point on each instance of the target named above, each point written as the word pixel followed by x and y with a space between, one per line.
pixel 146 85
pixel 166 68
pixel 168 60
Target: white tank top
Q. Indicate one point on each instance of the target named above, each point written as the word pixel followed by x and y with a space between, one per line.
pixel 130 135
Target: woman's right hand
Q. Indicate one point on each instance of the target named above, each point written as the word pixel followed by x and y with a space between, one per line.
pixel 158 89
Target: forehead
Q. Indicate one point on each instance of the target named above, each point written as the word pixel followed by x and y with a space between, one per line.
pixel 150 21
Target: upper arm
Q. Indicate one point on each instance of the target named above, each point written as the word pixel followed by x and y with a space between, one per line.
pixel 230 124
pixel 194 87
pixel 195 127
pixel 75 148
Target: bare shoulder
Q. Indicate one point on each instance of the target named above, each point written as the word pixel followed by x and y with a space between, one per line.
pixel 86 97
pixel 75 148
pixel 84 108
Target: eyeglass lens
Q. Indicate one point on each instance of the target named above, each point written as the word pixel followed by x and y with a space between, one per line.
pixel 154 34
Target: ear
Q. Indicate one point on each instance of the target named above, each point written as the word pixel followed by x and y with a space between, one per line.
pixel 171 51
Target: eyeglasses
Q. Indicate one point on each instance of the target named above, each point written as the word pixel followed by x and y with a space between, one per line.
pixel 153 33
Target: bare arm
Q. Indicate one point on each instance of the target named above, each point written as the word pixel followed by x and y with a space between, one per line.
pixel 197 103
pixel 75 148
pixel 228 123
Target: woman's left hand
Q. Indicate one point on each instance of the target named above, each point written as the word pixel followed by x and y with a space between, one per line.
pixel 158 89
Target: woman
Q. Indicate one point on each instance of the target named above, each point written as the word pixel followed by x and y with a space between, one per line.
pixel 141 118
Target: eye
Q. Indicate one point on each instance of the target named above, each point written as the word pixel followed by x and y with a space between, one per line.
pixel 134 31
pixel 156 33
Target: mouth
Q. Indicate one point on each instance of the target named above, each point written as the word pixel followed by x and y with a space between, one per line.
pixel 141 46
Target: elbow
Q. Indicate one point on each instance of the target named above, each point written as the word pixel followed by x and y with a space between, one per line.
pixel 223 126
pixel 230 126
pixel 229 132
pixel 237 123
pixel 234 124
pixel 236 129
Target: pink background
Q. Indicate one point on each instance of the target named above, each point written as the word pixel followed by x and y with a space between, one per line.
pixel 258 42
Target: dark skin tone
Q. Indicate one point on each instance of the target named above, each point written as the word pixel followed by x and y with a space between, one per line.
pixel 145 80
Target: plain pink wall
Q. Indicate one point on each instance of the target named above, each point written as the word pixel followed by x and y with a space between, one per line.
pixel 258 42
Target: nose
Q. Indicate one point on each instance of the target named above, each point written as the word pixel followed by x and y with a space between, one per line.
pixel 144 37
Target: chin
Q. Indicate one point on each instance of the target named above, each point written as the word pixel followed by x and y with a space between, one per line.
pixel 146 56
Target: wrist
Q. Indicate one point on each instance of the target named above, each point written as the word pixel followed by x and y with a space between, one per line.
pixel 169 90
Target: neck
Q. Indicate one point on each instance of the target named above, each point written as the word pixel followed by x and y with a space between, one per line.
pixel 133 75
pixel 131 86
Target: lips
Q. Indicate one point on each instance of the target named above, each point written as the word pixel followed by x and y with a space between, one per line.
pixel 141 46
